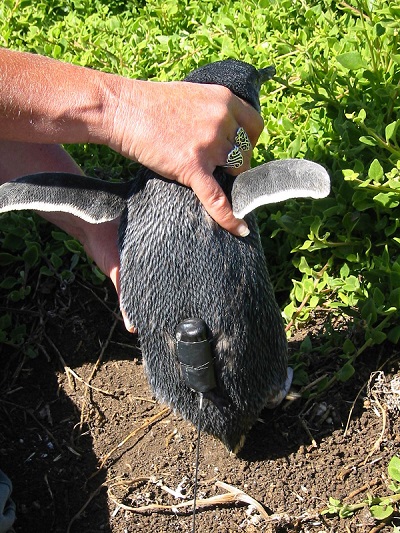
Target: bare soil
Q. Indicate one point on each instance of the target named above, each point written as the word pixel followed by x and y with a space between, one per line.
pixel 82 458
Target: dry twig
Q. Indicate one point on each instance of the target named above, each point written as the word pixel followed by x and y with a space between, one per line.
pixel 232 496
pixel 95 368
pixel 79 513
pixel 146 424
pixel 69 370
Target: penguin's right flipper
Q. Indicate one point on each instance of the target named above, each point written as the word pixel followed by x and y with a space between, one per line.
pixel 91 199
pixel 277 181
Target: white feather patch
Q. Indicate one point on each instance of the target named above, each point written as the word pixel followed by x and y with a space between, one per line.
pixel 278 181
pixel 276 198
pixel 52 208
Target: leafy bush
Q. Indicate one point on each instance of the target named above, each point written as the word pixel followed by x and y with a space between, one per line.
pixel 335 100
pixel 345 100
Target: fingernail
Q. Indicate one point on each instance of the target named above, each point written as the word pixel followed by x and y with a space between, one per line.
pixel 243 229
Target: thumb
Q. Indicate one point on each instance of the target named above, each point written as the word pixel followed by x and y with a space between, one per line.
pixel 215 202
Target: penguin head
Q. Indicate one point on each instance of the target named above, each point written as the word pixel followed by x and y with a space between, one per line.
pixel 239 77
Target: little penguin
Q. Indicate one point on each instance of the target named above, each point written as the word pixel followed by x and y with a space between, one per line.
pixel 178 264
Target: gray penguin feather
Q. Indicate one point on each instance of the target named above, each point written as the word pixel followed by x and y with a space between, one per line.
pixel 277 181
pixel 91 199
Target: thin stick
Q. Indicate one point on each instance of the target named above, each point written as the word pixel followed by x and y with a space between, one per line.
pixel 352 408
pixel 30 413
pixel 147 424
pixel 95 368
pixel 103 349
pixel 306 429
pixel 362 388
pixel 233 495
pixel 115 313
pixel 69 370
pixel 78 514
pixel 60 357
pixel 380 438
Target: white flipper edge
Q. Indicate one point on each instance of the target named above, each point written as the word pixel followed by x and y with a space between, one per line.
pixel 90 199
pixel 278 181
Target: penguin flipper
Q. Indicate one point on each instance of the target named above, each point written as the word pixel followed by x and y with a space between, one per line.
pixel 277 181
pixel 91 199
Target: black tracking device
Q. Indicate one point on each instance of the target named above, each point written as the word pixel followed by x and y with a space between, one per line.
pixel 194 355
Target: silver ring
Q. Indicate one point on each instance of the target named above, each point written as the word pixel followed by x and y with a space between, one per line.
pixel 234 159
pixel 242 140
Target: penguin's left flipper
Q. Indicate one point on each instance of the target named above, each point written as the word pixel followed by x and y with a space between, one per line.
pixel 277 181
pixel 91 199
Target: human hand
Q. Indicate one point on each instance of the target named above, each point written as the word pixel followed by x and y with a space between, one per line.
pixel 180 130
pixel 183 131
pixel 100 242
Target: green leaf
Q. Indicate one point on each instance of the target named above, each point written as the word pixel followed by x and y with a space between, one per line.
pixel 387 200
pixel 31 352
pixel 346 372
pixel 56 261
pixel 348 347
pixel 98 275
pixel 74 246
pixel 377 336
pixel 46 271
pixel 369 312
pixel 379 297
pixel 18 333
pixel 394 335
pixel 394 298
pixel 346 511
pixel 375 170
pixel 351 60
pixel 303 266
pixel 391 129
pixel 5 321
pixel 31 255
pixel 59 236
pixel 306 345
pixel 9 282
pixel 381 512
pixel 18 295
pixel 367 139
pixel 344 271
pixel 334 502
pixel 13 242
pixel 7 259
pixel 394 468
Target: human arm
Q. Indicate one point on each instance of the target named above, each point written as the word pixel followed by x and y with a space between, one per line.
pixel 180 130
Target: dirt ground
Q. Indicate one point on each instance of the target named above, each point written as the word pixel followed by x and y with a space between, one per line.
pixel 81 458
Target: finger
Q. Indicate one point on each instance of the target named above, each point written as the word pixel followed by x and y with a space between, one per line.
pixel 250 120
pixel 245 166
pixel 242 143
pixel 217 205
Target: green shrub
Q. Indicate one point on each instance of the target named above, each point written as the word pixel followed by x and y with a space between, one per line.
pixel 334 100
